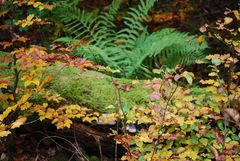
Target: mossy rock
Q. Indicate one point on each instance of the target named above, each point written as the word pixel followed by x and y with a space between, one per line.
pixel 94 89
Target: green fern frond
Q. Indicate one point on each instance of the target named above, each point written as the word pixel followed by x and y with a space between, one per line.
pixel 169 47
pixel 132 50
pixel 127 38
pixel 115 5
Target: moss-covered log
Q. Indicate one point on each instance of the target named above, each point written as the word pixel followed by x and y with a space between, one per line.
pixel 94 89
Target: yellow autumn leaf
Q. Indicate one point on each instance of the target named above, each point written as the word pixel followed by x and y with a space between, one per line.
pixel 36 81
pixel 24 24
pixel 178 104
pixel 47 79
pixel 212 74
pixel 139 144
pixel 227 20
pixel 26 106
pixel 189 153
pixel 219 98
pixel 190 122
pixel 216 84
pixel 237 14
pixel 30 17
pixel 201 39
pixel 31 2
pixel 90 119
pixel 67 123
pixel 49 114
pixel 24 98
pixel 18 122
pixel 41 7
pixel 145 138
pixel 7 112
pixel 211 89
pixel 199 62
pixel 4 133
pixel 166 154
pixel 229 158
pixel 180 120
pixel 209 81
pixel 230 144
pixel 36 4
pixel 180 150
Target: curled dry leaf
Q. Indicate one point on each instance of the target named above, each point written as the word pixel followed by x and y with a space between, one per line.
pixel 218 156
pixel 126 87
pixel 219 137
pixel 231 113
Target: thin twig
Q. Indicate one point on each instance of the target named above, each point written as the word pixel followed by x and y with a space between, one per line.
pixel 58 137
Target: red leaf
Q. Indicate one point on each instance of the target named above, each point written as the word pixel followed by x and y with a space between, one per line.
pixel 115 83
pixel 232 114
pixel 155 95
pixel 219 137
pixel 126 87
pixel 218 157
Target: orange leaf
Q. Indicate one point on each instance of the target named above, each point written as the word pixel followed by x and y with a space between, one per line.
pixel 18 122
pixel 5 44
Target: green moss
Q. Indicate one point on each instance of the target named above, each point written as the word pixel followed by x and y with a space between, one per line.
pixel 93 89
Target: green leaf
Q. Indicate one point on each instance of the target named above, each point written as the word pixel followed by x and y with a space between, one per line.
pixel 211 136
pixel 216 61
pixel 194 127
pixel 235 137
pixel 126 107
pixel 220 124
pixel 184 126
pixel 194 139
pixel 189 77
pixel 204 141
pixel 141 158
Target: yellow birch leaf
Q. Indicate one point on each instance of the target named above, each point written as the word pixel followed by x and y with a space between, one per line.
pixel 27 83
pixel 189 153
pixel 212 74
pixel 237 14
pixel 36 4
pixel 201 39
pixel 41 7
pixel 166 154
pixel 4 133
pixel 199 62
pixel 180 150
pixel 90 119
pixel 26 106
pixel 145 138
pixel 7 112
pixel 36 81
pixel 229 158
pixel 24 98
pixel 180 120
pixel 67 123
pixel 18 122
pixel 227 20
pixel 47 79
pixel 209 81
pixel 30 17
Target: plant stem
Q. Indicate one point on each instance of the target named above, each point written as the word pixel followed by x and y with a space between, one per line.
pixel 163 119
pixel 16 78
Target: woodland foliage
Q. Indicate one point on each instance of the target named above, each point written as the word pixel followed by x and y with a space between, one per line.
pixel 188 115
